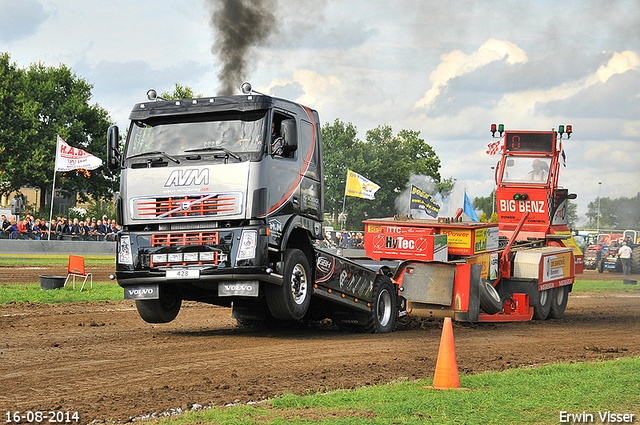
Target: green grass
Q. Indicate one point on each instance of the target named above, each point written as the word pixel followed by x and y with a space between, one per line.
pixel 518 396
pixel 101 291
pixel 602 285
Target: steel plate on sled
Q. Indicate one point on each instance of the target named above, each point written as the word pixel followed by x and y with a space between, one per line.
pixel 429 283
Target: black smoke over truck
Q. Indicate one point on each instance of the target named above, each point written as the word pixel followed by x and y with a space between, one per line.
pixel 221 201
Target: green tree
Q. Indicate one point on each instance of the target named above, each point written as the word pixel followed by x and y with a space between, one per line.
pixel 340 147
pixel 62 107
pixel 572 214
pixel 17 125
pixel 485 203
pixel 618 214
pixel 386 159
pixel 181 92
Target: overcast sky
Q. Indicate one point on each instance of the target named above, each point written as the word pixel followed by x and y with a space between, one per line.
pixel 445 68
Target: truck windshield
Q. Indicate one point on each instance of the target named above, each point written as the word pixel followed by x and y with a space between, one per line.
pixel 238 134
pixel 526 169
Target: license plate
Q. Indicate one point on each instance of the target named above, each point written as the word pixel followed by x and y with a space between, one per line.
pixel 183 274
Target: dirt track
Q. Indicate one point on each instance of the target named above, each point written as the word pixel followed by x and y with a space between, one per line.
pixel 103 361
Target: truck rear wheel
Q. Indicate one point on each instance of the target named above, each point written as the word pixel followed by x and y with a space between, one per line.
pixel 490 301
pixel 559 299
pixel 542 306
pixel 162 310
pixel 382 317
pixel 291 300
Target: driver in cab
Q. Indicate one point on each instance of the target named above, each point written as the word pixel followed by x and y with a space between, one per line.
pixel 538 173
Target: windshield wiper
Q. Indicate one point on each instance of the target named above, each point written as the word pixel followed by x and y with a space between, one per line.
pixel 216 148
pixel 166 155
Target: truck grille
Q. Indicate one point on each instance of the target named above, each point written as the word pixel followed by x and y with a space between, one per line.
pixel 183 239
pixel 187 206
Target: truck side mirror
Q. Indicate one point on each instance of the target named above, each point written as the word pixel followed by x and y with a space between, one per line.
pixel 113 140
pixel 288 132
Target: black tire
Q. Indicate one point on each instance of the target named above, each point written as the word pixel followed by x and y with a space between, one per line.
pixel 490 301
pixel 600 265
pixel 162 310
pixel 291 300
pixel 542 305
pixel 382 317
pixel 635 260
pixel 558 302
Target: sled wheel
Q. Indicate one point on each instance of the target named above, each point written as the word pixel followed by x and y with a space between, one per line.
pixel 542 306
pixel 162 310
pixel 290 301
pixel 558 302
pixel 490 301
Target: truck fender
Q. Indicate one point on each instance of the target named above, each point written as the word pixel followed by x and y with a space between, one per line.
pixel 312 228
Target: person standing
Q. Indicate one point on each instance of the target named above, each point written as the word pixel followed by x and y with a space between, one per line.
pixel 625 257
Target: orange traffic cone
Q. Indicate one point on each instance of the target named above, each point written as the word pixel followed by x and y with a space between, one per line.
pixel 446 375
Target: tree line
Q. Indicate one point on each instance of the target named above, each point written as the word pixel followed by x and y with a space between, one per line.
pixel 36 104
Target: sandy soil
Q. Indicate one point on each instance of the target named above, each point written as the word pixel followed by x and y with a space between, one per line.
pixel 102 360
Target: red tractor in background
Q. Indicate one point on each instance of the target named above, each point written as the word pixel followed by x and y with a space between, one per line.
pixel 606 251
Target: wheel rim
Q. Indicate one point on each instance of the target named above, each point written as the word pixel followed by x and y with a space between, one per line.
pixel 492 291
pixel 299 284
pixel 560 295
pixel 544 296
pixel 384 308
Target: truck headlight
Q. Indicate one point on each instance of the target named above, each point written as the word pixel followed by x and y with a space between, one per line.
pixel 206 256
pixel 159 258
pixel 248 243
pixel 124 250
pixel 174 258
pixel 191 256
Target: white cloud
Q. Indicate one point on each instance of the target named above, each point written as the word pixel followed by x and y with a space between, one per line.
pixel 457 63
pixel 317 88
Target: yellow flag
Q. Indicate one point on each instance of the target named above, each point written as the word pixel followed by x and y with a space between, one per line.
pixel 359 186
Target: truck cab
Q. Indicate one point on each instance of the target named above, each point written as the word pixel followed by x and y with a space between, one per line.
pixel 527 182
pixel 220 201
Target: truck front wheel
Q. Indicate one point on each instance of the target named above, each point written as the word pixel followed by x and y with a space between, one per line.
pixel 291 300
pixel 162 310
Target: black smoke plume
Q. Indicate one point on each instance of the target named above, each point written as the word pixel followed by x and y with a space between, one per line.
pixel 239 26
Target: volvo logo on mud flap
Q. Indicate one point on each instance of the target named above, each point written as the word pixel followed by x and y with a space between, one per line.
pixel 141 292
pixel 246 288
pixel 188 177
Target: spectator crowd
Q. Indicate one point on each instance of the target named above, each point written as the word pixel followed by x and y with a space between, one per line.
pixel 59 229
pixel 344 239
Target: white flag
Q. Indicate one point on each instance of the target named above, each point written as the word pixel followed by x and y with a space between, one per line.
pixel 69 158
